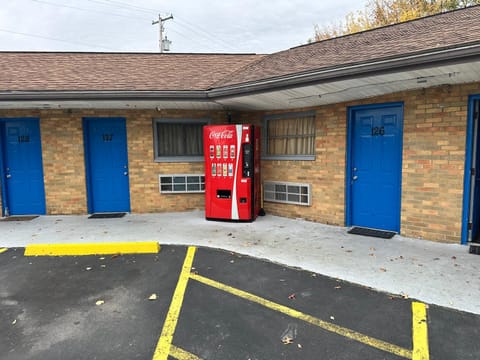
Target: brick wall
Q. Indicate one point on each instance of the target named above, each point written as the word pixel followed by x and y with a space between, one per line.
pixel 144 191
pixel 326 173
pixel 432 170
pixel 64 166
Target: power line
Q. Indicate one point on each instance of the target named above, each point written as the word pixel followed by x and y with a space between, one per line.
pixel 183 23
pixel 123 5
pixel 88 10
pixel 203 36
pixel 193 28
pixel 56 39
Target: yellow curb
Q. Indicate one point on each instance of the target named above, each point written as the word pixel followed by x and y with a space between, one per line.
pixel 92 249
pixel 2 250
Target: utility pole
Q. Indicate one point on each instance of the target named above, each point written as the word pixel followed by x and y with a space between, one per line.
pixel 163 44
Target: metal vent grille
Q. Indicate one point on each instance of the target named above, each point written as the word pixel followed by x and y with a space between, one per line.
pixel 287 192
pixel 181 183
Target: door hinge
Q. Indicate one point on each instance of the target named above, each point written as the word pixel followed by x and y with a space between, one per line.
pixel 470 225
pixel 472 172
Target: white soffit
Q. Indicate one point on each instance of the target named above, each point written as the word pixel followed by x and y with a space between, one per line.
pixel 356 88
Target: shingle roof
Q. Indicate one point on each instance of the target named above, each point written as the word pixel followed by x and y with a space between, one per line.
pixel 48 71
pixel 438 31
pixel 29 71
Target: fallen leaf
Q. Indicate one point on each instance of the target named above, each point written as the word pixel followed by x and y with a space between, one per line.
pixel 349 251
pixel 292 296
pixel 383 269
pixel 99 302
pixel 289 334
pixel 152 297
pixel 299 346
pixel 229 234
pixel 114 256
pixel 372 249
pixel 371 254
pixel 454 257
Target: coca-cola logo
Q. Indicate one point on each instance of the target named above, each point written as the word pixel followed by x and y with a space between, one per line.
pixel 225 134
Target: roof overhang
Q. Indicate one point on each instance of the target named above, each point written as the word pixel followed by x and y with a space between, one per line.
pixel 314 88
pixel 356 81
pixel 107 100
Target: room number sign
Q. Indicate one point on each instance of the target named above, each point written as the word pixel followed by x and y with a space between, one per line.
pixel 378 131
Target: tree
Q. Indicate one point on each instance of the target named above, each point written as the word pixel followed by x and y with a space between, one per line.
pixel 386 12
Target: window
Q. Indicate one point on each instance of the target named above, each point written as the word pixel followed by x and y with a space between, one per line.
pixel 179 140
pixel 290 136
pixel 181 183
pixel 286 192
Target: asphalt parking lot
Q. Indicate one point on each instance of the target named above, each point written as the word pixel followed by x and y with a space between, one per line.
pixel 189 304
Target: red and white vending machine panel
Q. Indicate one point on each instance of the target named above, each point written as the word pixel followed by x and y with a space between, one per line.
pixel 232 172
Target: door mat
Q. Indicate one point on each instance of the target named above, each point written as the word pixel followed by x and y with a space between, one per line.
pixel 371 232
pixel 474 248
pixel 20 218
pixel 107 215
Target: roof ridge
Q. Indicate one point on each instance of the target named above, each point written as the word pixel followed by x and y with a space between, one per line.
pixel 378 28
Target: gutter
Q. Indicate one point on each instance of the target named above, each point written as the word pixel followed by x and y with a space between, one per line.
pixel 105 95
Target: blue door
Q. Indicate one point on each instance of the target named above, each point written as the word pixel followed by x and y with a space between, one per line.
pixel 471 224
pixel 374 166
pixel 22 171
pixel 107 165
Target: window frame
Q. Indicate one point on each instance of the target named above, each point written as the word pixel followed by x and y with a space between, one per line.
pixel 289 115
pixel 186 183
pixel 287 192
pixel 180 158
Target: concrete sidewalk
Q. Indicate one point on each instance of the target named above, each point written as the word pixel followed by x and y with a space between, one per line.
pixel 442 274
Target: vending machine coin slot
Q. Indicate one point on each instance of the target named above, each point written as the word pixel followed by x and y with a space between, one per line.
pixel 247 162
pixel 224 194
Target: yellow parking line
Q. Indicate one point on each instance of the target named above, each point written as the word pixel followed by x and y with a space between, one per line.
pixel 351 334
pixel 181 354
pixel 165 342
pixel 420 332
pixel 2 250
pixel 150 247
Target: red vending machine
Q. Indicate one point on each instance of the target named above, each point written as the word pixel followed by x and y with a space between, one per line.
pixel 232 172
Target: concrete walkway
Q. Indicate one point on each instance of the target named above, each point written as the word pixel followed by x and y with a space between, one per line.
pixel 442 274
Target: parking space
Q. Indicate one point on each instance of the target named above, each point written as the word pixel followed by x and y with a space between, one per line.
pixel 211 304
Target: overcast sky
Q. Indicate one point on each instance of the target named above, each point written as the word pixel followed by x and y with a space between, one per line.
pixel 222 26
